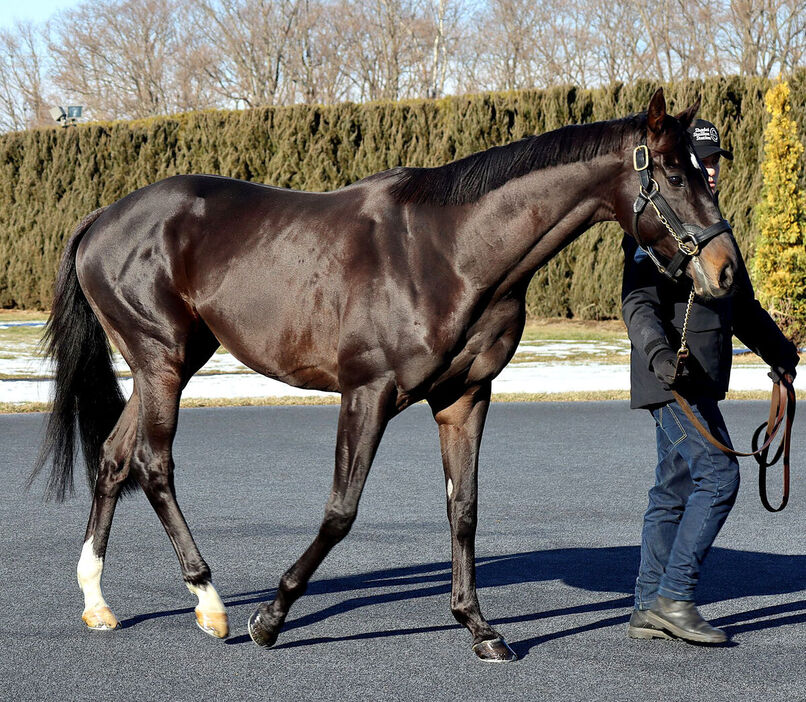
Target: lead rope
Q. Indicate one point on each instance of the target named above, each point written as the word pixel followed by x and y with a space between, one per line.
pixel 782 403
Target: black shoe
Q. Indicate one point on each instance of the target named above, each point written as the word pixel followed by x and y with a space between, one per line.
pixel 640 628
pixel 681 618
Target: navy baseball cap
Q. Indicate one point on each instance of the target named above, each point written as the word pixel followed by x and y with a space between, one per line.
pixel 705 137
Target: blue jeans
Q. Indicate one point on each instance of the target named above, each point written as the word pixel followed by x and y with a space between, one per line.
pixel 695 488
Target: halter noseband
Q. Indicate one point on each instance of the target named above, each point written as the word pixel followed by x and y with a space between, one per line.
pixel 690 238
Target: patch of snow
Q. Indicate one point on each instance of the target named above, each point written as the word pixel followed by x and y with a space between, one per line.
pixel 520 378
pixel 564 349
pixel 225 377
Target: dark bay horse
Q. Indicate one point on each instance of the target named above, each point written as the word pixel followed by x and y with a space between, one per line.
pixel 407 285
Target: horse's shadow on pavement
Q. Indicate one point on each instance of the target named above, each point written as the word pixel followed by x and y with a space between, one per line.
pixel 728 574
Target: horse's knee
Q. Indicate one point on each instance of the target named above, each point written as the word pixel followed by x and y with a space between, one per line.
pixel 463 520
pixel 110 476
pixel 114 464
pixel 336 524
pixel 153 471
pixel 116 451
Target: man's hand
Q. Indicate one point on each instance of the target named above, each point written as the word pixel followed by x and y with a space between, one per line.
pixel 778 372
pixel 664 366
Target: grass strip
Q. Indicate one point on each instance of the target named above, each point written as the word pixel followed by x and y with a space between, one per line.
pixel 23 316
pixel 582 396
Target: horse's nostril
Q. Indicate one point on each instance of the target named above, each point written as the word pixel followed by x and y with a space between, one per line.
pixel 726 277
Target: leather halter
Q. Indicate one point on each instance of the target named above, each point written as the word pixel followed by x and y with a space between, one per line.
pixel 690 238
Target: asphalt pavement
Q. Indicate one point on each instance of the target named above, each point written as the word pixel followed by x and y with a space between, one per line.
pixel 562 491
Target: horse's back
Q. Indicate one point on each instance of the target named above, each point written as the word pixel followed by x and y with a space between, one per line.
pixel 203 229
pixel 262 267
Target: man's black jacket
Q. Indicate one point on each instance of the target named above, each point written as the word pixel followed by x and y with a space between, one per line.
pixel 654 307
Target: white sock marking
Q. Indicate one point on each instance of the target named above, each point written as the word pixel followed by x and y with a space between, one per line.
pixel 89 571
pixel 209 601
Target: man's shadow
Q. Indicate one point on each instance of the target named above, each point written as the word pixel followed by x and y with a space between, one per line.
pixel 728 574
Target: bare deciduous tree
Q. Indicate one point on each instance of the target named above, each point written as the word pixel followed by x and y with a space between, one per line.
pixel 22 96
pixel 135 58
pixel 505 39
pixel 117 57
pixel 252 39
pixel 315 63
pixel 385 43
pixel 615 36
pixel 439 55
pixel 764 36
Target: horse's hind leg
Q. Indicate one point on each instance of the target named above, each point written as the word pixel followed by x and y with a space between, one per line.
pixel 364 414
pixel 461 424
pixel 140 446
pixel 159 385
pixel 111 477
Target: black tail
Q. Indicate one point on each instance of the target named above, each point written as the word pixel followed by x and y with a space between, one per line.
pixel 87 391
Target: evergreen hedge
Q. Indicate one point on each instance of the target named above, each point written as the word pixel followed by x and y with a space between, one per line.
pixel 50 178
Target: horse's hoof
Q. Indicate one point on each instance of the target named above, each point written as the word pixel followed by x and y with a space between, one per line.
pixel 100 619
pixel 495 651
pixel 260 633
pixel 213 623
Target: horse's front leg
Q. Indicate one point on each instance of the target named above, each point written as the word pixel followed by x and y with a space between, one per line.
pixel 461 424
pixel 364 414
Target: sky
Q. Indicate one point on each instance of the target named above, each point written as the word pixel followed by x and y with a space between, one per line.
pixel 33 10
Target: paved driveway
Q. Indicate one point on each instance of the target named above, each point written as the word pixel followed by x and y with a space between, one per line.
pixel 563 487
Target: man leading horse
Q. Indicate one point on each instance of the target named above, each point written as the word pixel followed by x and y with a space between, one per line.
pixel 695 482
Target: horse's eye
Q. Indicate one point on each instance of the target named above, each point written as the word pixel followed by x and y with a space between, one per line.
pixel 675 180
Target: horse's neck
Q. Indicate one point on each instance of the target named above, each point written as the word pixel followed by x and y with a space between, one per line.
pixel 515 229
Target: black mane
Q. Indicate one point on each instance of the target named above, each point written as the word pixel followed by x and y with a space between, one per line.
pixel 467 179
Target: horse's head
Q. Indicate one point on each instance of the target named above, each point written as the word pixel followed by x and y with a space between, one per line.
pixel 665 203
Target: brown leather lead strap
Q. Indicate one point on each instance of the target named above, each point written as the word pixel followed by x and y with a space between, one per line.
pixel 777 411
pixel 783 449
pixel 782 403
pixel 778 407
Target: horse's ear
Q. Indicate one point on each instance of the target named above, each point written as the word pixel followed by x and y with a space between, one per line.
pixel 656 112
pixel 686 117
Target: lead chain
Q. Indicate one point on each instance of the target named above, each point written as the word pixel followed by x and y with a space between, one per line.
pixel 681 244
pixel 683 351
